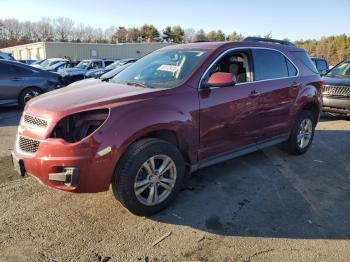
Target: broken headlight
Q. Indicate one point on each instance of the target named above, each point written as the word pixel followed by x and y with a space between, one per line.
pixel 74 128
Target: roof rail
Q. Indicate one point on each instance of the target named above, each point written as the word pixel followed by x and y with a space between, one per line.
pixel 268 40
pixel 201 41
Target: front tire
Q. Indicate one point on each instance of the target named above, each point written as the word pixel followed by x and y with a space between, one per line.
pixel 302 134
pixel 148 176
pixel 26 95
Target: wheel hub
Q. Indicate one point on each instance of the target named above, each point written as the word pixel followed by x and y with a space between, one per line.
pixel 155 180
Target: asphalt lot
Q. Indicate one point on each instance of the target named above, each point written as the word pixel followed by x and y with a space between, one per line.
pixel 266 206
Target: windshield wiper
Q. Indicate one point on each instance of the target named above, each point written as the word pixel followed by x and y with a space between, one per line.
pixel 136 83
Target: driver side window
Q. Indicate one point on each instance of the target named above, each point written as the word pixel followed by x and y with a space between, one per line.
pixel 238 63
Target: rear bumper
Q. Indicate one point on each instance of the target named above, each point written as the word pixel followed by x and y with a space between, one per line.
pixel 336 104
pixel 54 157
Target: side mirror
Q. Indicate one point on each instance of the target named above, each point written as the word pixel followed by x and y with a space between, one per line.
pixel 220 79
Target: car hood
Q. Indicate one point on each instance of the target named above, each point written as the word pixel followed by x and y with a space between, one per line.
pixel 85 95
pixel 337 81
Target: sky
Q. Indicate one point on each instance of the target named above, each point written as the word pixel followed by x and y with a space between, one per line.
pixel 292 19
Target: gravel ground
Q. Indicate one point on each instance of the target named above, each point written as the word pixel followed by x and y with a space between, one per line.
pixel 266 206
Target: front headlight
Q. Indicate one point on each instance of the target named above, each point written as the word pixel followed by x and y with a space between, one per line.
pixel 74 128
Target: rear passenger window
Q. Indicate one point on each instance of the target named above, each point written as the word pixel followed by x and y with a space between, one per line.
pixel 269 64
pixel 7 70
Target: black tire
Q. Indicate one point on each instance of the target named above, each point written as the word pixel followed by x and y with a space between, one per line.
pixel 130 164
pixel 26 95
pixel 291 145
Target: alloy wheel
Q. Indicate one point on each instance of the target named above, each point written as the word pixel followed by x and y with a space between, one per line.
pixel 155 180
pixel 305 133
pixel 29 95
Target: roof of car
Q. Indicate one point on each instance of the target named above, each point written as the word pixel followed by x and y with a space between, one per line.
pixel 216 45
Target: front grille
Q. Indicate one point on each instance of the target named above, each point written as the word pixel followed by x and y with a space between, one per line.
pixel 28 145
pixel 336 90
pixel 35 121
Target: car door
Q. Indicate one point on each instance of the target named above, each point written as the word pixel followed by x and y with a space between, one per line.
pixel 277 88
pixel 227 114
pixel 11 82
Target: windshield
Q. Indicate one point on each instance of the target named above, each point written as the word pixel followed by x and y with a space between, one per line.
pixel 45 63
pixel 341 70
pixel 114 72
pixel 56 65
pixel 83 64
pixel 164 68
pixel 38 62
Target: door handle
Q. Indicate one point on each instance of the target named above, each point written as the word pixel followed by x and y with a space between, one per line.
pixel 16 79
pixel 254 94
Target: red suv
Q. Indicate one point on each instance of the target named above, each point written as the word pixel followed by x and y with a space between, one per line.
pixel 176 110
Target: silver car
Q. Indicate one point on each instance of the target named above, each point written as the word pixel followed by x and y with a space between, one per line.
pixel 19 83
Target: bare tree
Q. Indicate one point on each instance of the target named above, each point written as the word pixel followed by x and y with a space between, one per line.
pixel 189 35
pixel 63 29
pixel 45 29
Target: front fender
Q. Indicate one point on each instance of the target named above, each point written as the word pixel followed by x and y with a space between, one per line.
pixel 177 112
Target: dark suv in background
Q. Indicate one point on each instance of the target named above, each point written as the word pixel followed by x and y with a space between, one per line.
pixel 174 111
pixel 321 64
pixel 19 83
pixel 336 93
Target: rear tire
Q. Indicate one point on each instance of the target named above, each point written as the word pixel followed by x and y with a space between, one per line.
pixel 148 176
pixel 26 95
pixel 302 134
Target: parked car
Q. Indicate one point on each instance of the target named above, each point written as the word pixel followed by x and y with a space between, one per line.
pixel 110 74
pixel 6 56
pixel 78 72
pixel 336 92
pixel 321 64
pixel 27 62
pixel 19 83
pixel 96 73
pixel 49 62
pixel 61 66
pixel 174 111
pixel 105 77
pixel 37 62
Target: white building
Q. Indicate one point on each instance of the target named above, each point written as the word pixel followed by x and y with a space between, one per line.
pixel 80 51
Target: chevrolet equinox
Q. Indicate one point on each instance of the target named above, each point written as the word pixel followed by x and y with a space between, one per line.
pixel 176 110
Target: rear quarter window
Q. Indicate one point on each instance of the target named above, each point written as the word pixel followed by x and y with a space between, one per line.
pixel 305 59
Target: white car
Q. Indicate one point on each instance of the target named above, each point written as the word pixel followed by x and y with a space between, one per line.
pixel 6 56
pixel 49 62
